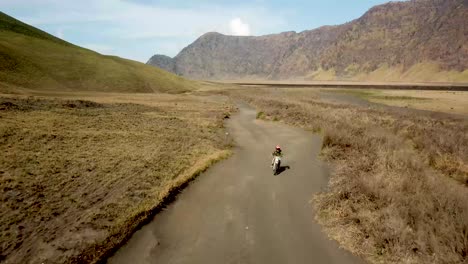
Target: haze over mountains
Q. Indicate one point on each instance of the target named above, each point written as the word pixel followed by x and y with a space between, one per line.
pixel 417 40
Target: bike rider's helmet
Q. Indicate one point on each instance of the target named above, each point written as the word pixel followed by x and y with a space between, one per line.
pixel 278 147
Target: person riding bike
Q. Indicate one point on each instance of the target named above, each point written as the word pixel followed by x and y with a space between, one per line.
pixel 276 153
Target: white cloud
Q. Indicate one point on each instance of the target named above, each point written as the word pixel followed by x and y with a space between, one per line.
pixel 132 20
pixel 59 33
pixel 125 25
pixel 239 28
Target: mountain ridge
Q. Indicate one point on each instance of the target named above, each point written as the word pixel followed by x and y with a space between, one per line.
pixel 417 40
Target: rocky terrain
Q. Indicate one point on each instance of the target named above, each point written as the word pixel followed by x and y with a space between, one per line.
pixel 423 40
pixel 162 61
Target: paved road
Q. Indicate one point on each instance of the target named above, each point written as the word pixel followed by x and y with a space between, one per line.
pixel 238 212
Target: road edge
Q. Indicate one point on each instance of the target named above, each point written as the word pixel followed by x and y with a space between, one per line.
pixel 100 252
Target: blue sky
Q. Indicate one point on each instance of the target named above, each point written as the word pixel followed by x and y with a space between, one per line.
pixel 137 29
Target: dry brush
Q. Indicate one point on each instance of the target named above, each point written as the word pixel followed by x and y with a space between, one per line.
pixel 78 176
pixel 398 193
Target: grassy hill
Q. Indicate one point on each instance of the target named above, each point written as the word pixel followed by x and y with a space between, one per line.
pixel 33 59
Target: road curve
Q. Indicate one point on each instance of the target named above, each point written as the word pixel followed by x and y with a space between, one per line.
pixel 238 212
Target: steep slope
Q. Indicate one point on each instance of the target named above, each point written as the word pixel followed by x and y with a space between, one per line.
pixel 33 59
pixel 216 55
pixel 404 34
pixel 417 40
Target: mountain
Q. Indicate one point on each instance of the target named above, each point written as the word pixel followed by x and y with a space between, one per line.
pixel 33 59
pixel 417 40
pixel 162 61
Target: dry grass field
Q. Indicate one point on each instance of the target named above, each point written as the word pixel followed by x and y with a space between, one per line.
pixel 79 172
pixel 441 101
pixel 452 102
pixel 399 187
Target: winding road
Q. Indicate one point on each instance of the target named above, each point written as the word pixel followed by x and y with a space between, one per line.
pixel 238 212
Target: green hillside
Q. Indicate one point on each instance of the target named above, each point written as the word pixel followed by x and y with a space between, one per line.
pixel 33 59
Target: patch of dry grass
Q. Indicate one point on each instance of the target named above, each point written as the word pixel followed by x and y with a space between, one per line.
pixel 398 193
pixel 452 102
pixel 419 72
pixel 78 173
pixel 439 101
